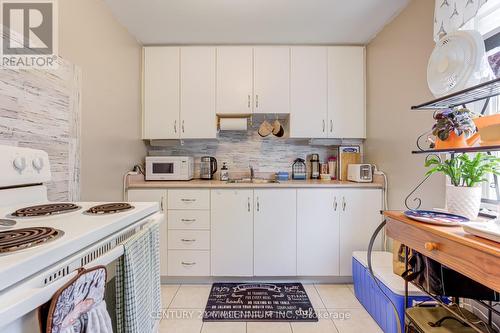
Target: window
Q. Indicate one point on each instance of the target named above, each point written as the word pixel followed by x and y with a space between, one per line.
pixel 488 24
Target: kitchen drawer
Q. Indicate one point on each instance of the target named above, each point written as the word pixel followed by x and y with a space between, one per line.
pixel 188 199
pixel 189 219
pixel 189 240
pixel 188 263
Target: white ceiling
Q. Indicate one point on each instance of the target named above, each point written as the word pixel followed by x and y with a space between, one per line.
pixel 255 21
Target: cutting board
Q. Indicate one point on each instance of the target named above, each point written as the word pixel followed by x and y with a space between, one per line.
pixel 348 155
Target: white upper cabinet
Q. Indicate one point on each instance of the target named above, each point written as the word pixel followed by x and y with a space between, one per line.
pixel 234 80
pixel 346 92
pixel 275 232
pixel 271 79
pixel 308 92
pixel 161 93
pixel 197 102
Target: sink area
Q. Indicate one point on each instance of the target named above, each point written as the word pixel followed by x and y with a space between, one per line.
pixel 253 181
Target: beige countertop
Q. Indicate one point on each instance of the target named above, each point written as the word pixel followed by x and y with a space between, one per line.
pixel 134 182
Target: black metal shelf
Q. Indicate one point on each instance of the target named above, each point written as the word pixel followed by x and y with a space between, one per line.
pixel 458 150
pixel 473 94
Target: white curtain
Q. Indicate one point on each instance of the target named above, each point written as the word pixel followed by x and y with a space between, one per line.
pixel 450 15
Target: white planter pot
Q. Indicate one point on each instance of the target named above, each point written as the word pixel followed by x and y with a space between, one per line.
pixel 463 200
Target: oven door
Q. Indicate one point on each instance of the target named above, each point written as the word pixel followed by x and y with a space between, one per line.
pixel 163 169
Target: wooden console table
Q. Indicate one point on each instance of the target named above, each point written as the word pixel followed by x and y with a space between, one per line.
pixel 474 257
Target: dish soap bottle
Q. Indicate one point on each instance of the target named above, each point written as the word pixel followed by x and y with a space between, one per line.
pixel 224 172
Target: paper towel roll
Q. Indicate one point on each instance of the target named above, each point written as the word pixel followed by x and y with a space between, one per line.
pixel 233 124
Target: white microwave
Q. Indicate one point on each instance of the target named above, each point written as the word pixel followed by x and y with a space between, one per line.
pixel 169 168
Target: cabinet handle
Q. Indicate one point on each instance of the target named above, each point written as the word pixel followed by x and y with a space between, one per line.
pixel 256 101
pixel 429 246
pixel 175 126
pixel 161 203
pixel 188 263
pixel 335 204
pixel 188 220
pixel 188 240
pixel 188 200
pixel 248 204
pixel 183 126
pixel 331 126
pixel 323 126
pixel 258 204
pixel 344 204
pixel 249 101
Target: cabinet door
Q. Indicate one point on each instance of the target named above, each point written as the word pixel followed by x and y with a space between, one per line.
pixel 346 92
pixel 317 232
pixel 271 79
pixel 308 92
pixel 234 80
pixel 232 232
pixel 198 119
pixel 275 232
pixel 359 217
pixel 152 195
pixel 161 93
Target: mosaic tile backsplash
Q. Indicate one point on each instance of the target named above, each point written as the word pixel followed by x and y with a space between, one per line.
pixel 241 149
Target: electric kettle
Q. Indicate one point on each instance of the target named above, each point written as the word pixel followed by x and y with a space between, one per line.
pixel 208 167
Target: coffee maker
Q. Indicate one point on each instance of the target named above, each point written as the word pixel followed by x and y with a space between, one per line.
pixel 208 167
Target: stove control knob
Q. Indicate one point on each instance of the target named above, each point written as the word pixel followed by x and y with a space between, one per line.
pixel 37 163
pixel 19 163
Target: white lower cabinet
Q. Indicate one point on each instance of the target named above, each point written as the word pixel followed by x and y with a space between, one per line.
pixel 359 217
pixel 264 232
pixel 231 232
pixel 275 232
pixel 143 195
pixel 318 223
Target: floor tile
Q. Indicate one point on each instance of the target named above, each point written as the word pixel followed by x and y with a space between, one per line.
pixel 181 321
pixel 269 327
pixel 191 297
pixel 321 326
pixel 224 327
pixel 337 296
pixel 313 295
pixel 168 292
pixel 355 321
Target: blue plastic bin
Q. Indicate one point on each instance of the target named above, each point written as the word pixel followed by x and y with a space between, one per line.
pixel 369 294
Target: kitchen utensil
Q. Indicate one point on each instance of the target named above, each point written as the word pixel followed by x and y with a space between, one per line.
pixel 299 170
pixel 348 155
pixel 278 130
pixel 315 171
pixel 434 217
pixel 265 129
pixel 332 167
pixel 208 167
pixel 455 62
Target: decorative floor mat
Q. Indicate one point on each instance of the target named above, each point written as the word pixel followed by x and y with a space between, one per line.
pixel 258 302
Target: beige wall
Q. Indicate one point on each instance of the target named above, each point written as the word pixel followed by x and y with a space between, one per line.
pixel 396 79
pixel 109 58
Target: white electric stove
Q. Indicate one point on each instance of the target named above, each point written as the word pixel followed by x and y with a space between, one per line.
pixel 43 244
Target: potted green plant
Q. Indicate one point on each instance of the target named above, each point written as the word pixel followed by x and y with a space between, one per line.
pixel 454 128
pixel 466 173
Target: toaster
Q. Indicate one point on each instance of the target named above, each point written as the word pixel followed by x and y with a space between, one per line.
pixel 360 173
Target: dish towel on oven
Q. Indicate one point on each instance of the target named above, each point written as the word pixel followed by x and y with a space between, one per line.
pixel 96 320
pixel 138 282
